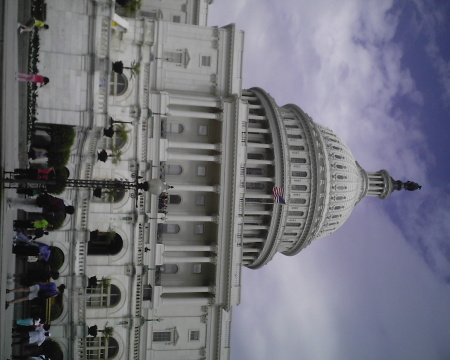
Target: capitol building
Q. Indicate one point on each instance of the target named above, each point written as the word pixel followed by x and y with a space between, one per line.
pixel 169 260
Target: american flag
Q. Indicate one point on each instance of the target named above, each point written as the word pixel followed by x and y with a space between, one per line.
pixel 278 194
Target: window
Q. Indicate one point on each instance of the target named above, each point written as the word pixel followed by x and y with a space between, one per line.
pixel 291 126
pixel 175 128
pixel 194 335
pixel 118 84
pixel 254 171
pixel 150 14
pixel 174 199
pixel 255 156
pixel 197 268
pixel 174 169
pixel 203 130
pixel 296 224
pixel 299 173
pixel 296 147
pixel 200 200
pixel 101 347
pixel 254 185
pixel 169 268
pixel 299 187
pixel 173 56
pixel 170 228
pixel 176 18
pixel 297 201
pixel 206 60
pixel 294 136
pixel 199 229
pixel 104 243
pixel 295 213
pixel 201 171
pixel 162 336
pixel 298 160
pixel 104 294
pixel 147 293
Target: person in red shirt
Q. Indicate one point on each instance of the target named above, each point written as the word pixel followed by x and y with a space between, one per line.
pixel 38 79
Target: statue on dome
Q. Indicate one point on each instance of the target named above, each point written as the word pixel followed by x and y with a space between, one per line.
pixel 409 185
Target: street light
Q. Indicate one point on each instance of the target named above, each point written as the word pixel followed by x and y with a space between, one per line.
pixel 151 113
pixel 144 320
pixel 112 121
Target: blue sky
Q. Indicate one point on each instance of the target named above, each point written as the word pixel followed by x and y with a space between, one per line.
pixel 378 74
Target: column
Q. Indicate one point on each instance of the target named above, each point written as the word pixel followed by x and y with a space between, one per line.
pixel 194 114
pixel 187 259
pixel 256 117
pixel 192 145
pixel 252 240
pixel 255 227
pixel 251 250
pixel 259 162
pixel 204 300
pixel 188 248
pixel 191 218
pixel 192 157
pixel 252 178
pixel 258 130
pixel 257 212
pixel 199 188
pixel 257 196
pixel 258 145
pixel 184 289
pixel 174 100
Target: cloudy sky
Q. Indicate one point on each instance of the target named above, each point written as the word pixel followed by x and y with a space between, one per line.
pixel 378 74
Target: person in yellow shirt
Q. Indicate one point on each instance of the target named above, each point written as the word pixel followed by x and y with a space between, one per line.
pixel 32 23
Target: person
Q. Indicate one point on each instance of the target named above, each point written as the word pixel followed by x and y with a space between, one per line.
pixel 35 174
pixel 34 224
pixel 38 79
pixel 43 291
pixel 44 274
pixel 37 153
pixel 32 23
pixel 33 249
pixel 27 328
pixel 53 208
pixel 37 337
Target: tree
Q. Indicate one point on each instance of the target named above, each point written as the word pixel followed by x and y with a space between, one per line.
pixel 118 67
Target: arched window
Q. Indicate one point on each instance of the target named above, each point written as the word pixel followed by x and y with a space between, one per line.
pixel 299 187
pixel 297 201
pixel 174 128
pixel 174 169
pixel 104 243
pixel 299 173
pixel 104 294
pixel 174 199
pixel 169 269
pixel 101 347
pixel 118 84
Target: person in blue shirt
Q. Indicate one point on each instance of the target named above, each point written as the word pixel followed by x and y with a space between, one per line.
pixel 42 290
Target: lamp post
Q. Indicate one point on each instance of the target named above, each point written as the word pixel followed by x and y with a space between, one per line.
pixel 144 320
pixel 112 121
pixel 151 113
